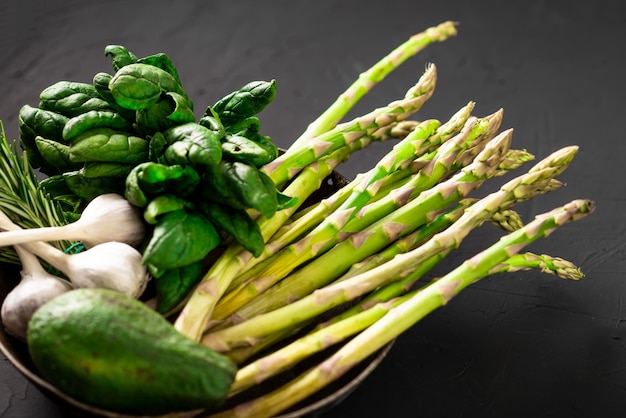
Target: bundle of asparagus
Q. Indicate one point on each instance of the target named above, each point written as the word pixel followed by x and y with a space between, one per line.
pixel 364 252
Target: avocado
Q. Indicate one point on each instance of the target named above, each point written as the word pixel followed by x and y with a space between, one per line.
pixel 111 351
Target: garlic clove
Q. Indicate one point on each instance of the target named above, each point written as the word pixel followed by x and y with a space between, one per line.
pixel 23 300
pixel 110 217
pixel 112 265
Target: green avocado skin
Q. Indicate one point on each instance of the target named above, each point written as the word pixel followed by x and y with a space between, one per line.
pixel 111 351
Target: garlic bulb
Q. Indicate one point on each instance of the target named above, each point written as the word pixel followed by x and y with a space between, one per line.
pixel 108 217
pixel 111 265
pixel 35 288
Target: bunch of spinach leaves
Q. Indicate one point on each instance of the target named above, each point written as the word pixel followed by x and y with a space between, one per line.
pixel 134 132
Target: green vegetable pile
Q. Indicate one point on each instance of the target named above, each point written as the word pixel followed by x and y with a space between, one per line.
pixel 295 277
pixel 134 132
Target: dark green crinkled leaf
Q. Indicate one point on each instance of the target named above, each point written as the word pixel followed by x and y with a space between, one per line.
pixel 155 118
pixel 120 56
pixel 245 102
pixel 237 224
pixel 162 61
pixel 180 238
pixel 89 188
pixel 192 143
pixel 101 83
pixel 240 148
pixel 33 122
pixel 216 189
pixel 104 144
pixel 138 86
pixel 171 110
pixel 213 123
pixel 250 186
pixel 94 119
pixel 55 154
pixel 173 286
pixel 71 98
pixel 250 124
pixel 150 179
pixel 163 204
pixel 93 169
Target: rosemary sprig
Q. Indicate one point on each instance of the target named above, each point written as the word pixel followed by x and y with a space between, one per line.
pixel 20 197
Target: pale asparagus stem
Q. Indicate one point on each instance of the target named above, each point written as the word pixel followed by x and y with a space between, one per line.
pixel 522 189
pixel 305 183
pixel 287 165
pixel 288 356
pixel 359 192
pixel 381 233
pixel 407 314
pixel 547 264
pixel 401 245
pixel 326 234
pixel 401 266
pixel 451 156
pixel 369 78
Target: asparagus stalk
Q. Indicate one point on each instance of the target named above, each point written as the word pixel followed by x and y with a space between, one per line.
pixel 547 264
pixel 408 313
pixel 379 236
pixel 411 241
pixel 287 356
pixel 327 233
pixel 294 159
pixel 368 79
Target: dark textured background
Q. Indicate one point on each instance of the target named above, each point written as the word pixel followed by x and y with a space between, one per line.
pixel 519 345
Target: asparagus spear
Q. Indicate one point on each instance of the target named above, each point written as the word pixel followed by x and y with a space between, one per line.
pixel 294 159
pixel 552 265
pixel 375 74
pixel 407 313
pixel 382 233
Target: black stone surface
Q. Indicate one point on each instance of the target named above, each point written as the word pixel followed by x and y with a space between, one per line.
pixel 520 345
